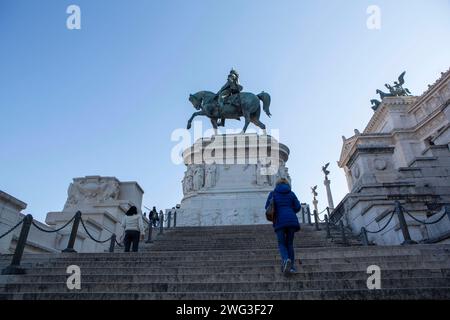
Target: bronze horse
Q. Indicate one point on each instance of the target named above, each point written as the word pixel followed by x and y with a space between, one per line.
pixel 247 105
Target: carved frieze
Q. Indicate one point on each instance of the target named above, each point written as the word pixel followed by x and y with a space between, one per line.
pixel 90 190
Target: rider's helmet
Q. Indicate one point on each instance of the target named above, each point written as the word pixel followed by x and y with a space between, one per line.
pixel 234 74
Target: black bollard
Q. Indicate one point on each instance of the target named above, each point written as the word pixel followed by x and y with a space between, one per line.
pixel 344 236
pixel 308 213
pixel 403 225
pixel 169 218
pixel 327 222
pixel 316 220
pixel 150 229
pixel 73 233
pixel 303 216
pixel 161 223
pixel 14 267
pixel 112 244
pixel 175 219
pixel 365 239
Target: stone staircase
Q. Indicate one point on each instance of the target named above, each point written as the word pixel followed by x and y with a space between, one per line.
pixel 236 262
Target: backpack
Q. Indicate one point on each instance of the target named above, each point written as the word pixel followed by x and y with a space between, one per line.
pixel 270 211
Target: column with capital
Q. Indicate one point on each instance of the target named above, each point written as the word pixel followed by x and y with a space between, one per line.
pixel 327 183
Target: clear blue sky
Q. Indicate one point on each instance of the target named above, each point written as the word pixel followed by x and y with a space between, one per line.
pixel 105 99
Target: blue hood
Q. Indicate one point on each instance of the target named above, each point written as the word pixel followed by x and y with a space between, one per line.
pixel 283 188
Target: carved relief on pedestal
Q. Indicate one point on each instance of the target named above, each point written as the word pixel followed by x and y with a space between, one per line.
pixel 199 177
pixel 210 175
pixel 188 181
pixel 92 190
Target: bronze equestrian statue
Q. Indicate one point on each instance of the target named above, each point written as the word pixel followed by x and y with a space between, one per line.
pixel 230 103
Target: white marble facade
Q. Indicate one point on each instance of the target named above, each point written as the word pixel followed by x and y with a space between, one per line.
pixel 403 154
pixel 228 178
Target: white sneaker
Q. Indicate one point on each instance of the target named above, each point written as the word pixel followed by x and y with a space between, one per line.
pixel 287 264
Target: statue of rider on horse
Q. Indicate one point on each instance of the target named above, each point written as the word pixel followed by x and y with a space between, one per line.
pixel 230 103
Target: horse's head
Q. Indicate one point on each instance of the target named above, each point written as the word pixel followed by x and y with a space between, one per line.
pixel 196 102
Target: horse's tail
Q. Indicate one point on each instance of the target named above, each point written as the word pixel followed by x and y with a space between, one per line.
pixel 265 98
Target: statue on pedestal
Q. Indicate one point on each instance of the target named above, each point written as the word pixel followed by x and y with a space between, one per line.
pixel 396 90
pixel 327 183
pixel 325 171
pixel 230 103
pixel 314 192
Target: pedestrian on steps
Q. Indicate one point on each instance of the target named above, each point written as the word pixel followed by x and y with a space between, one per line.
pixel 285 223
pixel 134 229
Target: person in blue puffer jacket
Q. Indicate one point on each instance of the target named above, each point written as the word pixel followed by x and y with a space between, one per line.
pixel 286 222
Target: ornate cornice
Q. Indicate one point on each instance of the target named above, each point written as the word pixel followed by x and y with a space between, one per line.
pixel 432 88
pixel 347 149
pixel 380 115
pixel 5 197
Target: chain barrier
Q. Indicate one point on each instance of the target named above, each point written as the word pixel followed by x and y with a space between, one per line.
pixel 385 226
pixel 424 222
pixel 90 236
pixel 12 229
pixel 165 218
pixel 52 231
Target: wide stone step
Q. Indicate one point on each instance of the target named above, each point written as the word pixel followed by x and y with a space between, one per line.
pixel 193 247
pixel 316 253
pixel 229 277
pixel 442 293
pixel 241 262
pixel 287 285
pixel 260 258
pixel 173 269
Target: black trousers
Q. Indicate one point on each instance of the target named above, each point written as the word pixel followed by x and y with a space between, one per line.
pixel 131 237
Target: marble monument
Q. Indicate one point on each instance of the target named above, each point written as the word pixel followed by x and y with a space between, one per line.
pixel 402 154
pixel 228 179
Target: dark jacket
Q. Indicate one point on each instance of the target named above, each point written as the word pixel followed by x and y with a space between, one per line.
pixel 286 207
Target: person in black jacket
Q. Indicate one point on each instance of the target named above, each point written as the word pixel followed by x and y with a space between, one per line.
pixel 286 222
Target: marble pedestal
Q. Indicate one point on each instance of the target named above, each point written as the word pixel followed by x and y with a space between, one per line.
pixel 228 179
